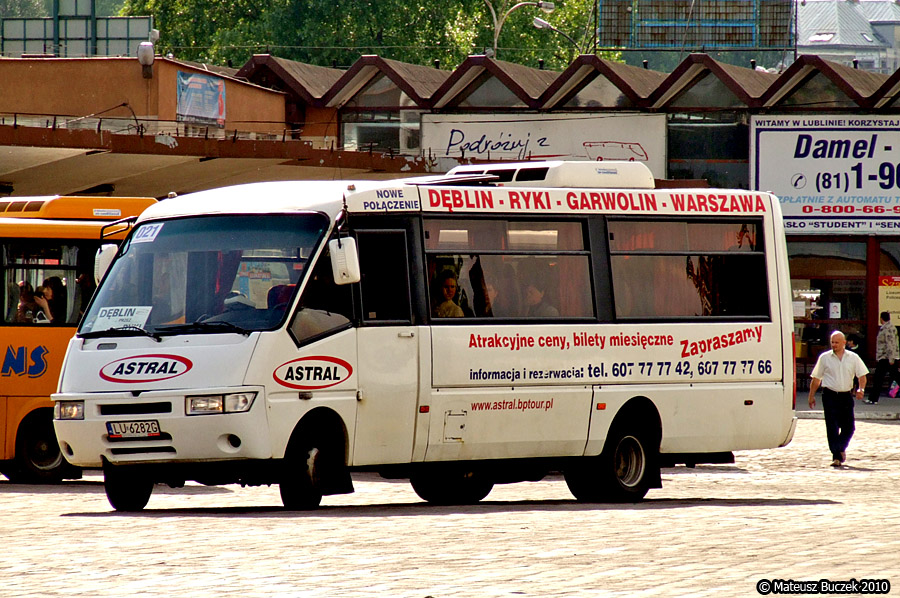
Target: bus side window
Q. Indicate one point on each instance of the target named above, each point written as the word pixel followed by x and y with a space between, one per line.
pixel 325 307
pixel 46 268
pixel 384 264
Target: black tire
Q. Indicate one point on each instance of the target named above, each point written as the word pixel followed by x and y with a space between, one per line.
pixel 300 485
pixel 126 490
pixel 38 457
pixel 451 486
pixel 622 473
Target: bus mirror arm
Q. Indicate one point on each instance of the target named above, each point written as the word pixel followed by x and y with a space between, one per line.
pixel 122 224
pixel 344 260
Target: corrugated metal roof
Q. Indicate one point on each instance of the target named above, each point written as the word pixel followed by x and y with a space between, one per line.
pixel 316 79
pixel 832 23
pixel 880 11
pixel 433 88
pixel 531 80
pixel 425 80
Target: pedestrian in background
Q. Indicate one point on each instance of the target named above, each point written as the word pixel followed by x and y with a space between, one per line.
pixel 834 371
pixel 887 352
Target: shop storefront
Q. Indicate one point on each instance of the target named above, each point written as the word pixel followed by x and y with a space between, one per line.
pixel 838 178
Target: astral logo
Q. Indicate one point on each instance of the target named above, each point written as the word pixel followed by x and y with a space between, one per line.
pixel 145 368
pixel 311 373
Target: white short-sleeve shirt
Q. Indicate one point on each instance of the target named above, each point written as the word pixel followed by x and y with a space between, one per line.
pixel 837 374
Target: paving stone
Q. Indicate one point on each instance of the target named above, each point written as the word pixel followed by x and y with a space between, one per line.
pixel 711 531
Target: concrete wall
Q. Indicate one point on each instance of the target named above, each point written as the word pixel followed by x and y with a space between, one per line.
pixel 76 87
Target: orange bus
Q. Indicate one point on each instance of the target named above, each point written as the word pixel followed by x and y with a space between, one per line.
pixel 48 247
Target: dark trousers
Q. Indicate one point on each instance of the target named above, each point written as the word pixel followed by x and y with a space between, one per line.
pixel 882 368
pixel 839 423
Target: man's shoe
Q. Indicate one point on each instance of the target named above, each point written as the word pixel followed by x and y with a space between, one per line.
pixel 871 402
pixel 836 463
pixel 843 456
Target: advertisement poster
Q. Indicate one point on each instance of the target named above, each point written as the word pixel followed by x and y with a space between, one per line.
pixel 889 296
pixel 833 174
pixel 629 137
pixel 201 99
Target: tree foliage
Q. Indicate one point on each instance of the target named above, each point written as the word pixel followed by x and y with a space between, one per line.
pixel 44 8
pixel 338 33
pixel 22 8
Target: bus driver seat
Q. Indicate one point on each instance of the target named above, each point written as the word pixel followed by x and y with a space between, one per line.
pixel 279 296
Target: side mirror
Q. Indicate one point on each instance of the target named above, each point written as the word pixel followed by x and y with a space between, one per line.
pixel 344 260
pixel 105 256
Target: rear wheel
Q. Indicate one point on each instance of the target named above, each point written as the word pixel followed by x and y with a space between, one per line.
pixel 451 487
pixel 622 473
pixel 38 457
pixel 126 490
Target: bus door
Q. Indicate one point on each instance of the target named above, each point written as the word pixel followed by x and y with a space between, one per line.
pixel 508 379
pixel 388 349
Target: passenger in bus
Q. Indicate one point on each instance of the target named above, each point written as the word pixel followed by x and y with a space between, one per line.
pixel 537 306
pixel 52 299
pixel 499 287
pixel 507 299
pixel 448 288
pixel 42 315
pixel 12 301
pixel 29 311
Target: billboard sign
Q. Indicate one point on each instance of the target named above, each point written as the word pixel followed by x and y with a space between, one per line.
pixel 833 174
pixel 201 99
pixel 630 137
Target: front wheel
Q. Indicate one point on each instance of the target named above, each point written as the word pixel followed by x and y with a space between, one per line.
pixel 300 485
pixel 451 487
pixel 125 490
pixel 621 473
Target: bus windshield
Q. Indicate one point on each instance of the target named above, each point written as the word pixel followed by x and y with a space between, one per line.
pixel 208 274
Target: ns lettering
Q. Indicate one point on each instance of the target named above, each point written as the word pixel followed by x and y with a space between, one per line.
pixel 21 362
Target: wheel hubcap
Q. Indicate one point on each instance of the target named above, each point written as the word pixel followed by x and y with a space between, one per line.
pixel 630 462
pixel 44 456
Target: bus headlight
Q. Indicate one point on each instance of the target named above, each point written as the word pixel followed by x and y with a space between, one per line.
pixel 68 410
pixel 238 402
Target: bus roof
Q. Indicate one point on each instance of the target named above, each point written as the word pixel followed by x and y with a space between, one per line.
pixel 528 188
pixel 74 207
pixel 40 228
pixel 260 198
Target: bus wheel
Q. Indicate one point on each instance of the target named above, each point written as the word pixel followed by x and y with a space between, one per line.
pixel 454 487
pixel 621 473
pixel 300 487
pixel 125 490
pixel 38 458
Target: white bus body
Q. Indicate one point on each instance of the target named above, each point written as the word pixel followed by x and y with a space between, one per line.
pixel 488 326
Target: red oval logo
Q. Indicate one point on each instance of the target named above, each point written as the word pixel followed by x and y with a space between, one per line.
pixel 313 372
pixel 146 368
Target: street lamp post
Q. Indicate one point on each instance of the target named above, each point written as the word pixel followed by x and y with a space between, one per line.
pixel 547 7
pixel 540 23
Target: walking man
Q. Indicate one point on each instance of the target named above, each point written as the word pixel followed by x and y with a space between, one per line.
pixel 834 371
pixel 887 352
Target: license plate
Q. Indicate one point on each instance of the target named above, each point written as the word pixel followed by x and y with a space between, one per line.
pixel 144 429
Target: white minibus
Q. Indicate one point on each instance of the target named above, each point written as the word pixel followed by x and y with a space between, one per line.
pixel 490 325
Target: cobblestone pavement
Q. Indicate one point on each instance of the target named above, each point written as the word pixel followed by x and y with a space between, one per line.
pixel 710 531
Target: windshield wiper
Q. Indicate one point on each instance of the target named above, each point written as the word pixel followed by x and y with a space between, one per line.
pixel 215 326
pixel 121 331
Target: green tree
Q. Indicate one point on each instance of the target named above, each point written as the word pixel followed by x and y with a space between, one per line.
pixel 22 8
pixel 44 8
pixel 329 33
